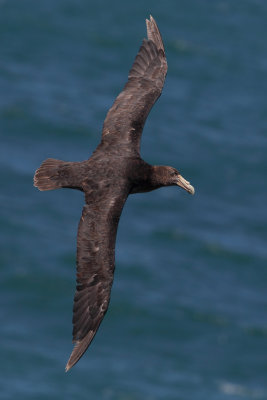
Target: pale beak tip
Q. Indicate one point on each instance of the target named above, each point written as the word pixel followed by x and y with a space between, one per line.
pixel 183 183
pixel 191 189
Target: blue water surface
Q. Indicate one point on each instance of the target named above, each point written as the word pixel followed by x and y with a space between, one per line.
pixel 188 313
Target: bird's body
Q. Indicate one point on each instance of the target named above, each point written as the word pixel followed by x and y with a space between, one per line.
pixel 114 171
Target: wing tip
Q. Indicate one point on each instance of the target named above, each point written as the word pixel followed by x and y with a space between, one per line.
pixel 73 359
pixel 76 354
pixel 153 33
pixel 68 367
pixel 79 349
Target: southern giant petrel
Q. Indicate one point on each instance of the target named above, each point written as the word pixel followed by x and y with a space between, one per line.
pixel 114 171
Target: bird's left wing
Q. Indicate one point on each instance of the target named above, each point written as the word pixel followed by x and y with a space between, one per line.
pixel 95 267
pixel 126 118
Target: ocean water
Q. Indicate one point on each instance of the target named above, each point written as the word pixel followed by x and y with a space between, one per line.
pixel 188 313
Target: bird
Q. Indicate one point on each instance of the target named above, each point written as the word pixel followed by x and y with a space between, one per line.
pixel 113 172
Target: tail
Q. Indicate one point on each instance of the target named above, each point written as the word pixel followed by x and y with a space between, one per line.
pixel 55 174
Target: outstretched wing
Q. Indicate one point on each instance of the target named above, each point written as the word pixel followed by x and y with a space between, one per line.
pixel 95 266
pixel 126 118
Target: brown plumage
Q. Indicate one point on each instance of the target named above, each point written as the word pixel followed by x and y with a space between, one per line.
pixel 114 171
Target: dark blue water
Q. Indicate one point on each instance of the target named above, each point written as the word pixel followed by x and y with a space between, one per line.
pixel 188 314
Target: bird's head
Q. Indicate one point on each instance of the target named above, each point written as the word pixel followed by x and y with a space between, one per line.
pixel 169 176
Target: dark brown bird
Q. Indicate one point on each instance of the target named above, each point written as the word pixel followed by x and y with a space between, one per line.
pixel 114 171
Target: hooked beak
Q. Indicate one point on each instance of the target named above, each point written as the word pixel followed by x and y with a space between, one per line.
pixel 184 184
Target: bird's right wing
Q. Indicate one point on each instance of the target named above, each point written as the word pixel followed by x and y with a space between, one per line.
pixel 126 118
pixel 95 267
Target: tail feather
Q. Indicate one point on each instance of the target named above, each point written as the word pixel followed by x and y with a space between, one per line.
pixel 52 174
